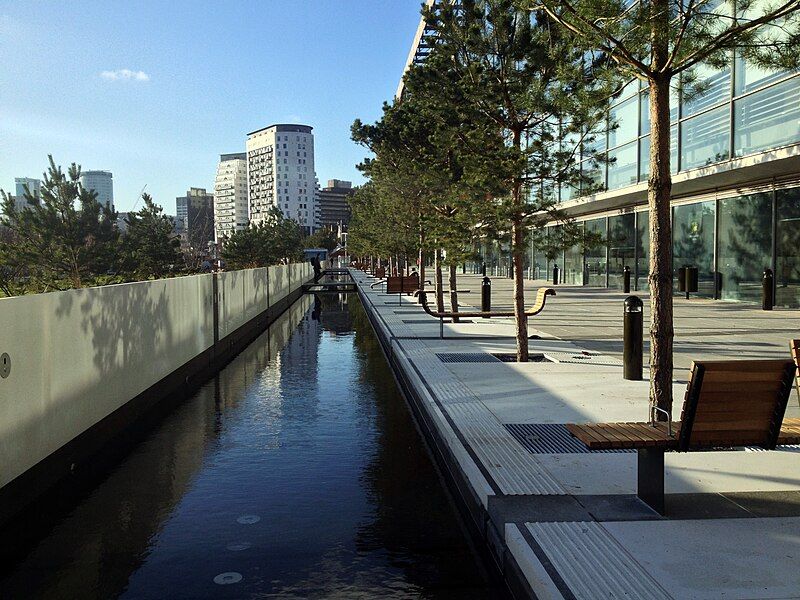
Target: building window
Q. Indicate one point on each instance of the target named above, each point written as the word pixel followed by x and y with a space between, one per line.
pixel 705 139
pixel 767 119
pixel 625 117
pixel 787 259
pixel 621 241
pixel 596 253
pixel 693 242
pixel 622 166
pixel 744 245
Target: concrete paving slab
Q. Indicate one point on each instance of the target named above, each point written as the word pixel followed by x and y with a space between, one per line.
pixel 717 558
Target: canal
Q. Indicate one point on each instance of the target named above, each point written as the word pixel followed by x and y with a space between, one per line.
pixel 297 472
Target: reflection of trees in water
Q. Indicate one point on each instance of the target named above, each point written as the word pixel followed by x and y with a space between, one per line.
pixel 90 535
pixel 414 519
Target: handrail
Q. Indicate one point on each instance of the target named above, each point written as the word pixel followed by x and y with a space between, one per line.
pixel 372 285
pixel 534 310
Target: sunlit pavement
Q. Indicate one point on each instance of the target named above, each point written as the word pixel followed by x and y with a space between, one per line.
pixel 569 517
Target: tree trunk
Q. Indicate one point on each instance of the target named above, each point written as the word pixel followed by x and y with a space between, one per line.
pixel 421 259
pixel 658 199
pixel 453 293
pixel 437 266
pixel 518 247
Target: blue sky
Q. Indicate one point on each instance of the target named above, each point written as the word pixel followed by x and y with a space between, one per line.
pixel 155 91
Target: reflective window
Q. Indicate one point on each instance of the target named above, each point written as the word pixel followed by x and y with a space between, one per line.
pixel 750 77
pixel 625 116
pixel 642 250
pixel 693 243
pixel 768 119
pixel 745 245
pixel 596 252
pixel 644 108
pixel 621 240
pixel 787 259
pixel 644 154
pixel 573 264
pixel 705 139
pixel 622 166
pixel 714 86
pixel 594 173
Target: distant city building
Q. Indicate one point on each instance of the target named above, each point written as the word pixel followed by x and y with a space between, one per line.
pixel 33 187
pixel 230 195
pixel 333 207
pixel 280 172
pixel 102 183
pixel 195 217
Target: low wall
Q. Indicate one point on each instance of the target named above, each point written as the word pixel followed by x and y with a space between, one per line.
pixel 76 359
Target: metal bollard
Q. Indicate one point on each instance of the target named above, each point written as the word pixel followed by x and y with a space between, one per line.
pixel 633 317
pixel 483 269
pixel 767 290
pixel 486 295
pixel 555 274
pixel 626 279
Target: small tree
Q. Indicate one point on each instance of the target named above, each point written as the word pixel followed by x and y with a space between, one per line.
pixel 277 239
pixel 65 238
pixel 149 245
pixel 656 41
pixel 520 80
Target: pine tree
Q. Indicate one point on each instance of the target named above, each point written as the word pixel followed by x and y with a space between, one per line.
pixel 149 246
pixel 518 80
pixel 660 43
pixel 64 239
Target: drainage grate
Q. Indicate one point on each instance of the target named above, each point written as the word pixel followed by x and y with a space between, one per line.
pixel 430 321
pixel 550 438
pixel 465 357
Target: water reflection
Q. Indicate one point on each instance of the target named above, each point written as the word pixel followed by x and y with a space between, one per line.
pixel 298 468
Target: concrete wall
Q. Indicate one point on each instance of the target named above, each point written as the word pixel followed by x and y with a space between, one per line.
pixel 77 356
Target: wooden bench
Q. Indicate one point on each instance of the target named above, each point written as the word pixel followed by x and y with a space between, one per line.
pixel 402 285
pixel 727 404
pixel 379 272
pixel 794 345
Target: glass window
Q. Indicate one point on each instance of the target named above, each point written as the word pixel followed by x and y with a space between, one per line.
pixel 768 119
pixel 642 250
pixel 625 116
pixel 594 173
pixel 644 153
pixel 750 77
pixel 596 252
pixel 621 240
pixel 622 166
pixel 715 85
pixel 787 259
pixel 573 264
pixel 745 245
pixel 693 243
pixel 644 108
pixel 705 138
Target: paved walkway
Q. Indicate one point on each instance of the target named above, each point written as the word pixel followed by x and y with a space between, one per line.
pixel 570 518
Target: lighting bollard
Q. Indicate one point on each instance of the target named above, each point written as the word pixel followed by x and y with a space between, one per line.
pixel 626 280
pixel 483 269
pixel 633 318
pixel 555 274
pixel 767 290
pixel 486 295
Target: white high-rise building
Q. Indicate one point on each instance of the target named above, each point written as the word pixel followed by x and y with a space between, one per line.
pixel 280 172
pixel 230 195
pixel 33 186
pixel 101 182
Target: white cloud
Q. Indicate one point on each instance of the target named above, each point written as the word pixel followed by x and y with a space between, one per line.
pixel 125 75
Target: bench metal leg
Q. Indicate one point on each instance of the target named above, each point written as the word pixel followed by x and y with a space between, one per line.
pixel 650 484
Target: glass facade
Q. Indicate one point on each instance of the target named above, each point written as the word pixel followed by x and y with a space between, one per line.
pixel 596 252
pixel 730 240
pixel 743 110
pixel 787 242
pixel 744 245
pixel 693 243
pixel 621 251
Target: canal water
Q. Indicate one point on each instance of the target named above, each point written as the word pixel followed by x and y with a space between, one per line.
pixel 296 473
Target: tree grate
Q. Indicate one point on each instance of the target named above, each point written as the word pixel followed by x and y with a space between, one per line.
pixel 466 357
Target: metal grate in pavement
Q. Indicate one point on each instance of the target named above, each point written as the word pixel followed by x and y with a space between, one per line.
pixel 550 438
pixel 466 357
